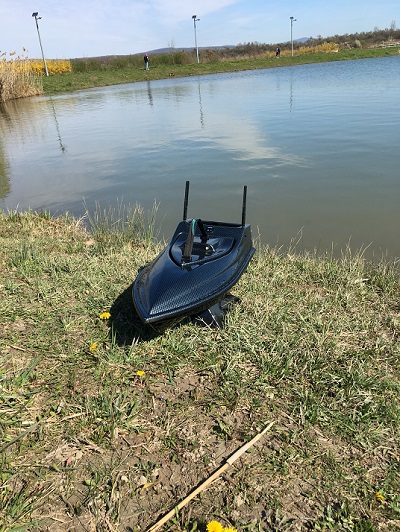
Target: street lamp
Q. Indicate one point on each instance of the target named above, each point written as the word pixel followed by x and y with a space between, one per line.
pixel 195 19
pixel 40 42
pixel 292 19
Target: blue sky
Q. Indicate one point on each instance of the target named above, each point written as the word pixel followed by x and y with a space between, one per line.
pixel 85 28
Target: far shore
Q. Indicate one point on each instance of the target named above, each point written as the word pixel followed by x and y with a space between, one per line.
pixel 72 81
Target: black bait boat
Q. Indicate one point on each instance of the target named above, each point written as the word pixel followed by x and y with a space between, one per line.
pixel 194 273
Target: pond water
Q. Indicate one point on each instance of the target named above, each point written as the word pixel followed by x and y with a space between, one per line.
pixel 317 146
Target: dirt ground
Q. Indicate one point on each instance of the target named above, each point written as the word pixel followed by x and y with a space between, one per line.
pixel 148 474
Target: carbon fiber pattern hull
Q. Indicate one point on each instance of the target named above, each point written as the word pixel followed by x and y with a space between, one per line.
pixel 174 286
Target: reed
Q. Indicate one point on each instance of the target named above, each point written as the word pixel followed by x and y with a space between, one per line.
pixel 17 78
pixel 326 47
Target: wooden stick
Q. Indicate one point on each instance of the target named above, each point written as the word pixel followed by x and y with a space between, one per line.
pixel 210 479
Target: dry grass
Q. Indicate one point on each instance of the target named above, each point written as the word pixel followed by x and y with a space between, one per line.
pixel 17 78
pixel 326 47
pixel 106 425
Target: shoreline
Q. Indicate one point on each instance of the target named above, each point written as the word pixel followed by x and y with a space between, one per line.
pixel 98 78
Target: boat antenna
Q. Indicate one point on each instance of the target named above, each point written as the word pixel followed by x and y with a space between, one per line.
pixel 185 203
pixel 244 205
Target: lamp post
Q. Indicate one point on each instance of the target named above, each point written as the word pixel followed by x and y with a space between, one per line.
pixel 40 41
pixel 195 19
pixel 292 19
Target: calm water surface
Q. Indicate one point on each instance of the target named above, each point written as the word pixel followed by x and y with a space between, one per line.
pixel 317 145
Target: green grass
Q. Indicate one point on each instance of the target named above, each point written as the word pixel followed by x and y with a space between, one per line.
pixel 87 443
pixel 113 76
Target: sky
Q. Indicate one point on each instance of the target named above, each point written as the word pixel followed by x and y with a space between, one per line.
pixel 89 28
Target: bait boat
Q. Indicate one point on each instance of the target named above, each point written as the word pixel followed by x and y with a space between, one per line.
pixel 192 276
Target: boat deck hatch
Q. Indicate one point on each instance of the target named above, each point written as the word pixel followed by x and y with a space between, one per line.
pixel 202 252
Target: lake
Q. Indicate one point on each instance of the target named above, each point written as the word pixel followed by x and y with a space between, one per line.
pixel 317 145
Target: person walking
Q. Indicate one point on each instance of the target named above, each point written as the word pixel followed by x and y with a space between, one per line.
pixel 278 52
pixel 146 61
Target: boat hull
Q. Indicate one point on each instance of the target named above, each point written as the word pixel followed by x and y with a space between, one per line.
pixel 174 286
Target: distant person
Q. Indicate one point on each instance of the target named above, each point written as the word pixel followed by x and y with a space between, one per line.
pixel 146 61
pixel 278 52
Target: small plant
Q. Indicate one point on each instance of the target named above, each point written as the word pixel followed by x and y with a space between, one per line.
pixel 123 224
pixel 17 77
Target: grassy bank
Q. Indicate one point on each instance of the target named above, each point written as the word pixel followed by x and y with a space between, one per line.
pixel 107 425
pixel 99 76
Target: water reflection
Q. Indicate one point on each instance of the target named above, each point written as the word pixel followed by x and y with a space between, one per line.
pixel 291 75
pixel 19 119
pixel 4 173
pixel 248 142
pixel 150 93
pixel 201 107
pixel 20 122
pixel 27 118
pixel 60 142
pixel 298 137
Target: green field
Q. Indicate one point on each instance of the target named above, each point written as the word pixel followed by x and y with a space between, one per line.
pixel 106 425
pixel 102 76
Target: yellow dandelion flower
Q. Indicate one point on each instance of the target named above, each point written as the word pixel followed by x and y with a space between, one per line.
pixel 140 373
pixel 105 315
pixel 93 346
pixel 379 496
pixel 214 526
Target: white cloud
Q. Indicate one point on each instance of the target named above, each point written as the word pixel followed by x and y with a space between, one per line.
pixel 104 27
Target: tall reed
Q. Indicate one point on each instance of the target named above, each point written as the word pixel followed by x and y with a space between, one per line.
pixel 17 79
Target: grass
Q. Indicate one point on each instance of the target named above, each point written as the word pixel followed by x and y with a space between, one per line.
pixel 98 76
pixel 113 437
